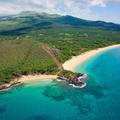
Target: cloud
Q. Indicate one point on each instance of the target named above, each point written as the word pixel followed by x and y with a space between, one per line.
pixel 16 6
pixel 79 8
pixel 101 3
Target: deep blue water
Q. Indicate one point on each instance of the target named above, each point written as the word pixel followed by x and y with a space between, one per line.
pixel 49 100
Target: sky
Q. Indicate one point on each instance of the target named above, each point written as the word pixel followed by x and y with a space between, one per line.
pixel 106 10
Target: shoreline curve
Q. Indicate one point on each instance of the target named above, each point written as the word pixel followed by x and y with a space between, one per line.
pixel 77 60
pixel 68 65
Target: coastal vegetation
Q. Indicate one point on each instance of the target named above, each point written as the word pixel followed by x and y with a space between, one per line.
pixel 68 74
pixel 41 44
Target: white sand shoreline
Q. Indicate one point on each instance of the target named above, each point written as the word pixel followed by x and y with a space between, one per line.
pixel 77 60
pixel 24 79
pixel 68 65
pixel 27 78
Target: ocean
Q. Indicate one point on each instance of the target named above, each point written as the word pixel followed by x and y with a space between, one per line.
pixel 51 100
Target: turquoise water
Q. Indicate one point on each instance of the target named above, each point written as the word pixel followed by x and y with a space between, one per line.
pixel 49 100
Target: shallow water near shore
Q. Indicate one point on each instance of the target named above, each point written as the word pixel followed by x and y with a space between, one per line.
pixel 49 100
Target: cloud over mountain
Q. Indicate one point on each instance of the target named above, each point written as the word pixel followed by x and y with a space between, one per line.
pixel 79 8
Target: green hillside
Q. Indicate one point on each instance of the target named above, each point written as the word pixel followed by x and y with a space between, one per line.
pixel 40 43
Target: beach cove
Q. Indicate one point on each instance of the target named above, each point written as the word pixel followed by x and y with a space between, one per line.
pixel 69 65
pixel 49 100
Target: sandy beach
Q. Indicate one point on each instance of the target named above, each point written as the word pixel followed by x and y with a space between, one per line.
pixel 68 65
pixel 24 79
pixel 76 60
pixel 27 78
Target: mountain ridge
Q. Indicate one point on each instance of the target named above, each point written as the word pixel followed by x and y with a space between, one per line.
pixel 28 13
